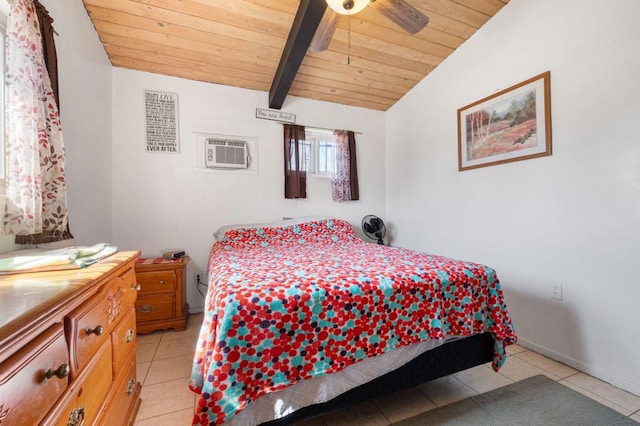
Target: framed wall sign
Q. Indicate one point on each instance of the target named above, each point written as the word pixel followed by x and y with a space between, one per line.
pixel 161 114
pixel 511 125
pixel 270 114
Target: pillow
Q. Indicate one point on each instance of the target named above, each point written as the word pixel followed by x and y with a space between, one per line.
pixel 219 233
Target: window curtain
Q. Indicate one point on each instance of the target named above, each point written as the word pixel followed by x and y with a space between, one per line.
pixel 36 206
pixel 295 175
pixel 48 47
pixel 344 184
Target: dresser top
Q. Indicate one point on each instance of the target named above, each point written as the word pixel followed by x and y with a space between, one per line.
pixel 25 297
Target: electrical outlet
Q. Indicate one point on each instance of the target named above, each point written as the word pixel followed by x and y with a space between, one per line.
pixel 556 291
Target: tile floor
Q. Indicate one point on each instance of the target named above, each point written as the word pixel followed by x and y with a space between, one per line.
pixel 164 367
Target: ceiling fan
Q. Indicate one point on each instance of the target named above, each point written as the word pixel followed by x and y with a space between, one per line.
pixel 399 11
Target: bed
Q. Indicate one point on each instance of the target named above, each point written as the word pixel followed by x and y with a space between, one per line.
pixel 305 316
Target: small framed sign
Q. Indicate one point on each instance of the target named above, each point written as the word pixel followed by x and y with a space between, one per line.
pixel 270 114
pixel 161 111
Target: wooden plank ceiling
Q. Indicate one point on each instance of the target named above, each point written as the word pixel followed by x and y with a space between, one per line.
pixel 369 63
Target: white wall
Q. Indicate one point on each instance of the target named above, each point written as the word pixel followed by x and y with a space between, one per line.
pixel 162 201
pixel 85 80
pixel 571 218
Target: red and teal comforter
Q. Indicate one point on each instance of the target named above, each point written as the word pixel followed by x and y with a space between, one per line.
pixel 289 303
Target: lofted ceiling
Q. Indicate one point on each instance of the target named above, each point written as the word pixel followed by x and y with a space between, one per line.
pixel 369 63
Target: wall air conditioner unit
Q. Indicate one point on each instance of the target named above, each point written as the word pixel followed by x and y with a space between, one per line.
pixel 226 154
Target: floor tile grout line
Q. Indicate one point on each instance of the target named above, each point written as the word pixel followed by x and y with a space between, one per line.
pixel 574 374
pixel 158 416
pixel 425 395
pixel 476 390
pixel 507 377
pixel 561 379
pixel 602 381
pixel 380 411
pixel 150 361
pixel 577 372
pixel 597 394
pixel 547 371
pixel 453 377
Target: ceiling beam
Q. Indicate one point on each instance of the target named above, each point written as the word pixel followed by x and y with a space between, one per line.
pixel 303 28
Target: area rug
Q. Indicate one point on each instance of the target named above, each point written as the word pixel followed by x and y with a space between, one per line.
pixel 534 401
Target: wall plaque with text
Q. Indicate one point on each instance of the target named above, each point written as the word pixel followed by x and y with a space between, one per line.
pixel 161 110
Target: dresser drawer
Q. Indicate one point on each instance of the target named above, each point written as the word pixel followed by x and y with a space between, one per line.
pixel 127 391
pixel 155 307
pixel 123 340
pixel 157 281
pixel 91 325
pixel 88 392
pixel 30 379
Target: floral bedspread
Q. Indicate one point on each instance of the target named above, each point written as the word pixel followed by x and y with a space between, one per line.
pixel 290 303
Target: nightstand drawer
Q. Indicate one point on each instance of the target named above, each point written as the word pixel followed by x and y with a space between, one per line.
pixel 163 294
pixel 158 281
pixel 155 307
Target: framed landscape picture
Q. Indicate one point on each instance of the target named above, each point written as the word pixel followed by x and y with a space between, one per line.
pixel 511 125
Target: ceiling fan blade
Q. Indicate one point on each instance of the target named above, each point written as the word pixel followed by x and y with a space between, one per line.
pixel 324 33
pixel 402 13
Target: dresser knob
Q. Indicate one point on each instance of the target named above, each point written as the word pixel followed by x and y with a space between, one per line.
pixel 131 386
pixel 161 281
pixel 97 331
pixel 136 287
pixel 76 418
pixel 61 372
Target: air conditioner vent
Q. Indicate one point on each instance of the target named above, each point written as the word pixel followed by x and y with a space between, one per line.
pixel 226 154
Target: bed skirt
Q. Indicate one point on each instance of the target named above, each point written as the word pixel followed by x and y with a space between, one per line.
pixel 446 359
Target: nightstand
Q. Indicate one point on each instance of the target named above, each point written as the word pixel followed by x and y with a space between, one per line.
pixel 161 302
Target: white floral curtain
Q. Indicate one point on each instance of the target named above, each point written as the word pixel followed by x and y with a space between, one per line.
pixel 344 184
pixel 35 157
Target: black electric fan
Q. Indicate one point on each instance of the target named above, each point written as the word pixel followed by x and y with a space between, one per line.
pixel 374 228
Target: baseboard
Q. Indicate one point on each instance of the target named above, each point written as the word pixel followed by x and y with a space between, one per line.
pixel 604 375
pixel 196 310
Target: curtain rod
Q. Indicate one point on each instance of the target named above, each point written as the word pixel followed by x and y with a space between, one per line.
pixel 319 128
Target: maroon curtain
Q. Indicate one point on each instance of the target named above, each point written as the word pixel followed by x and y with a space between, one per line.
pixel 353 167
pixel 344 184
pixel 48 47
pixel 47 33
pixel 295 175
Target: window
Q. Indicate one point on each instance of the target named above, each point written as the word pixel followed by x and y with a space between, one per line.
pixel 319 153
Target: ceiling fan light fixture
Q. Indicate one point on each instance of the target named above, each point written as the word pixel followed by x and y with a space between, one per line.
pixel 347 7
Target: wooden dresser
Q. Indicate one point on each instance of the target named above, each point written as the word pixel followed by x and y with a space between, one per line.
pixel 161 300
pixel 68 345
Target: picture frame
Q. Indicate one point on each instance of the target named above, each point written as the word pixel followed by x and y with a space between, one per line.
pixel 513 124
